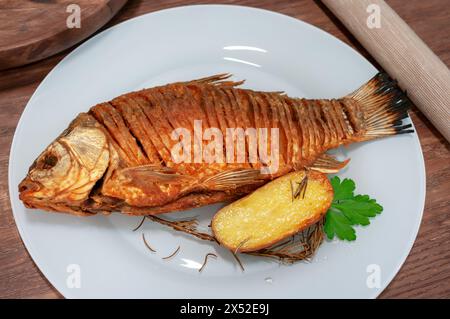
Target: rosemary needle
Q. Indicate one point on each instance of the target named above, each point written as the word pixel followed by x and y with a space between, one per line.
pixel 172 254
pixel 206 260
pixel 240 245
pixel 140 224
pixel 146 244
pixel 238 260
pixel 304 186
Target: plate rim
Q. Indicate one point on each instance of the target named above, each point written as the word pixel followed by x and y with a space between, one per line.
pixel 28 244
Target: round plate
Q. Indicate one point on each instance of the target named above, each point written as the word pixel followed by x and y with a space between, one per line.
pixel 101 256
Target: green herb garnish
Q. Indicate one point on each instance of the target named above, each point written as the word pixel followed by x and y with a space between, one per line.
pixel 348 210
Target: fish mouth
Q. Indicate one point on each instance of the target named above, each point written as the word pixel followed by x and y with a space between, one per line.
pixel 27 194
pixel 27 186
pixel 27 189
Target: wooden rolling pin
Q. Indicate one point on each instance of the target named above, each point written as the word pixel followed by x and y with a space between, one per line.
pixel 399 50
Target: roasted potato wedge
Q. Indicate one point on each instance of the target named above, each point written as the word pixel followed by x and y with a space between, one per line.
pixel 273 212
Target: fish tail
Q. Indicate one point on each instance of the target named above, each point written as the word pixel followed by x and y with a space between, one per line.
pixel 383 106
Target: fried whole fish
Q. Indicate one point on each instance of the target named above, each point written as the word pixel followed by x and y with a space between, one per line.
pixel 119 156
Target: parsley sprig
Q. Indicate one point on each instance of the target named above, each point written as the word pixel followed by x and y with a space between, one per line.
pixel 348 210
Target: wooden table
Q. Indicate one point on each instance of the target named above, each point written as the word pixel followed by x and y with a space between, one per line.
pixel 426 272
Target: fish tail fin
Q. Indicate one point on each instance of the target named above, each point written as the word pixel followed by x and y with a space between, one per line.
pixel 384 106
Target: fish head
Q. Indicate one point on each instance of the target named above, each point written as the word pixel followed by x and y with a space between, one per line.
pixel 65 173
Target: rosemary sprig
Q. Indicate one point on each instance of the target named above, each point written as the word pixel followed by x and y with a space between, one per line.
pixel 301 189
pixel 186 226
pixel 300 247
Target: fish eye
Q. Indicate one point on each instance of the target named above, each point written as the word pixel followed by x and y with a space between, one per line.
pixel 48 161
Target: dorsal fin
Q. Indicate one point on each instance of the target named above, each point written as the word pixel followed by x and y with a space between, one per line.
pixel 218 80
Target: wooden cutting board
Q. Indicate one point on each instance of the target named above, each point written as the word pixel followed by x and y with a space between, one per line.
pixel 35 29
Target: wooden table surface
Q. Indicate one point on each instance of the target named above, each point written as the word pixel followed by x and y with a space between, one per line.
pixel 426 272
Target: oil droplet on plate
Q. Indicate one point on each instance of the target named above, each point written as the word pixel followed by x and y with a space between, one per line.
pixel 269 280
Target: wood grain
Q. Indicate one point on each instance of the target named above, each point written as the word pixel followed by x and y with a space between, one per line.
pixel 33 30
pixel 400 52
pixel 426 272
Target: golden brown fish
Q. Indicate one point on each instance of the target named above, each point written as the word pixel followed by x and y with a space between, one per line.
pixel 195 143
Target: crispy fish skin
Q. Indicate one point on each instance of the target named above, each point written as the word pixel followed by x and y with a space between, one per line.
pixel 119 156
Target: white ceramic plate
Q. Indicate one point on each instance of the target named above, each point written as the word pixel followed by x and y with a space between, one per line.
pixel 273 52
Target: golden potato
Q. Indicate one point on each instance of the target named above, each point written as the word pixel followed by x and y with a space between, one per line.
pixel 271 213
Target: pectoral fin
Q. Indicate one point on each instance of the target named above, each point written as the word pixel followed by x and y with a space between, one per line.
pixel 232 179
pixel 328 164
pixel 153 173
pixel 146 185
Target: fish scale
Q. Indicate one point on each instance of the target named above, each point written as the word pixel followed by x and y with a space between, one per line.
pixel 138 126
pixel 142 104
